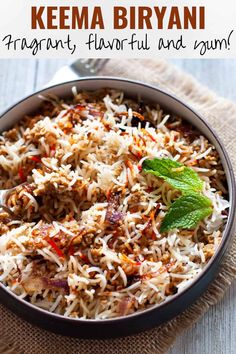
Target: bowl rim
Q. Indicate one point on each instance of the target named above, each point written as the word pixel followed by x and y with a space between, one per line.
pixel 227 232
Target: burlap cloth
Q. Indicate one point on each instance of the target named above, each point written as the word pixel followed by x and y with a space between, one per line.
pixel 19 337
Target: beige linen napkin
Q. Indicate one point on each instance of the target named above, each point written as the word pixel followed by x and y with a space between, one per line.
pixel 19 337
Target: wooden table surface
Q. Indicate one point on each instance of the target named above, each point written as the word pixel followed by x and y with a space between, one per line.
pixel 215 333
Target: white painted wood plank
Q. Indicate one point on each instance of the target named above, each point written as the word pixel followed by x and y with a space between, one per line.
pixel 219 75
pixel 214 333
pixel 17 79
pixel 46 70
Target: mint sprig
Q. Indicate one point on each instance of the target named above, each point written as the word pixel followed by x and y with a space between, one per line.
pixel 175 173
pixel 188 210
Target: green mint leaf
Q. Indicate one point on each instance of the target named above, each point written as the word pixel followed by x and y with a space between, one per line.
pixel 176 174
pixel 186 212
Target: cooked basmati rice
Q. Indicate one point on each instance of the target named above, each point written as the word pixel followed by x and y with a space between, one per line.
pixel 88 242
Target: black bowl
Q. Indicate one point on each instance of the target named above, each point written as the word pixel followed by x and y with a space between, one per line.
pixel 156 314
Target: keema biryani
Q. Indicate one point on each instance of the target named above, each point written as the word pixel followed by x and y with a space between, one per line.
pixel 119 205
